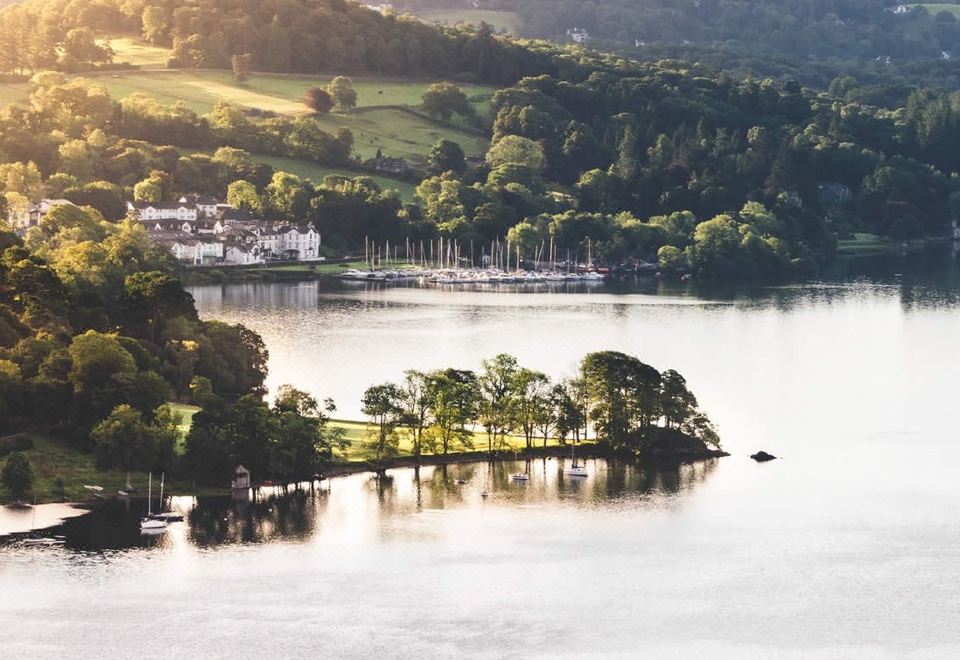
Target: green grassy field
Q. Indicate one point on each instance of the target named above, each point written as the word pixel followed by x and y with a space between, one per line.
pixel 863 244
pixel 358 433
pixel 379 122
pixel 399 133
pixel 201 89
pixel 54 459
pixel 187 412
pixel 395 132
pixel 500 20
pixel 936 7
pixel 919 26
pixel 136 52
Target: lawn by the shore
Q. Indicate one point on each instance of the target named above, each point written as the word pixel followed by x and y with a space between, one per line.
pixel 54 459
pixel 863 244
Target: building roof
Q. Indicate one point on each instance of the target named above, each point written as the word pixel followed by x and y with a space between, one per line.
pixel 230 214
pixel 199 200
pixel 161 205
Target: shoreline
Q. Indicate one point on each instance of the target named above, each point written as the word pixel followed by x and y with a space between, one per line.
pixel 584 451
pixel 66 510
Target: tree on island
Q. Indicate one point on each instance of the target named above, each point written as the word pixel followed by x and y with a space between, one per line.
pixel 453 405
pixel 318 100
pixel 446 156
pixel 304 440
pixel 443 99
pixel 627 398
pixel 124 440
pixel 342 93
pixel 17 475
pixel 241 65
pixel 532 394
pixel 383 404
pixel 497 407
pixel 415 399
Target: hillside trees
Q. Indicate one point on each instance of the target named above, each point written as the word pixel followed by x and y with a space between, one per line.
pixel 444 99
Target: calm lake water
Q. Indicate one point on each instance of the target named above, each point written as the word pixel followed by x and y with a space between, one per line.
pixel 849 546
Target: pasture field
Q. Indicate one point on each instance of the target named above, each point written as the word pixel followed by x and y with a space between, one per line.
pixel 140 53
pixel 500 20
pixel 202 88
pixel 12 93
pixel 936 7
pixel 379 122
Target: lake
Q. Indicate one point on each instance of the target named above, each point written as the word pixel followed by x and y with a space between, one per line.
pixel 847 546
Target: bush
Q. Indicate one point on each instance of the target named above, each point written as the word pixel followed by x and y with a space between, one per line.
pixel 16 442
pixel 17 475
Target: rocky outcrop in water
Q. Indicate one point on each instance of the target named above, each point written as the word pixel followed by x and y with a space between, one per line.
pixel 762 457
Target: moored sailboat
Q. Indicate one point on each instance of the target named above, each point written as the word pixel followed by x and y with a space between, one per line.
pixel 151 525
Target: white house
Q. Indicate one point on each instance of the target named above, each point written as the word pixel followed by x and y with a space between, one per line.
pixel 242 256
pixel 289 242
pixel 160 227
pixel 191 249
pixel 206 205
pixel 304 241
pixel 22 219
pixel 146 211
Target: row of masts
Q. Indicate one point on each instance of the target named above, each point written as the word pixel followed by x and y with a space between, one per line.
pixel 450 253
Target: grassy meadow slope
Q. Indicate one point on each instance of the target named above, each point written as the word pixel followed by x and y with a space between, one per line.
pixel 385 117
pixel 506 21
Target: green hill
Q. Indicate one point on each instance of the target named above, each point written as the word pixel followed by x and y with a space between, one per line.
pixel 385 118
pixel 506 21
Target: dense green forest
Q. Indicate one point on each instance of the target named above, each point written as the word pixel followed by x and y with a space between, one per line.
pixel 668 161
pixel 280 35
pixel 817 29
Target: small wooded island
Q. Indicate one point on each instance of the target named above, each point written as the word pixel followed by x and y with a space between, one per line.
pixel 91 360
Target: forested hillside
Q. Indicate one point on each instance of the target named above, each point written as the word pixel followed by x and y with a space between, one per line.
pixel 818 29
pixel 280 35
pixel 668 161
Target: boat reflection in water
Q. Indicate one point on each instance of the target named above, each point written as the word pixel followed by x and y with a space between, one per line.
pixel 367 507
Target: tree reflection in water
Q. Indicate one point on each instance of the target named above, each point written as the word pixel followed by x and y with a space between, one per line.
pixel 293 515
pixel 369 506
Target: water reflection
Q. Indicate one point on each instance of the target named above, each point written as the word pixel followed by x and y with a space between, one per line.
pixel 365 506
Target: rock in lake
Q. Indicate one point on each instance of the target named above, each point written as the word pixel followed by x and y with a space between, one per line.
pixel 762 457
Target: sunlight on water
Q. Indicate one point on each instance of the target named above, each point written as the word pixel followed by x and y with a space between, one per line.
pixel 845 547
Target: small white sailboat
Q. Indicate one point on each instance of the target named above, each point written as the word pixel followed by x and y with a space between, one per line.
pixel 150 525
pixel 41 540
pixel 168 516
pixel 575 469
pixel 520 476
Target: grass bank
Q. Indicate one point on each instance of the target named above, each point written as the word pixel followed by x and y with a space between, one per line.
pixel 54 459
pixel 863 244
